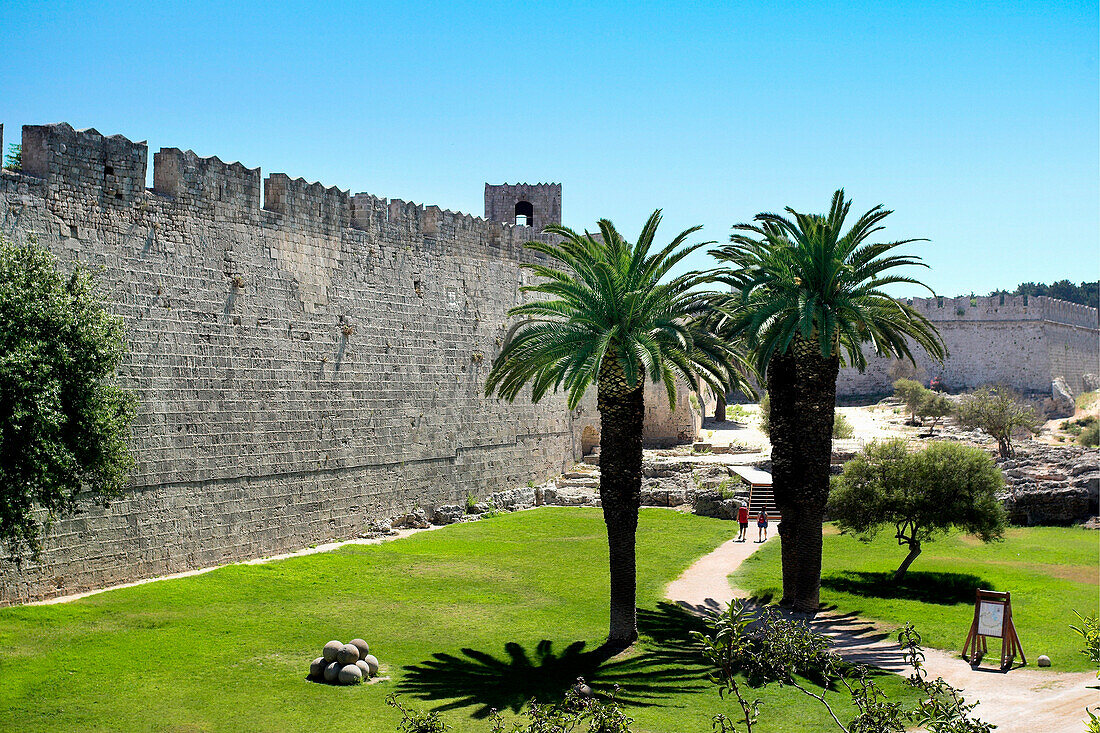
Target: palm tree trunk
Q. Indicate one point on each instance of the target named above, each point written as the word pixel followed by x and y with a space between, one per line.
pixel 622 411
pixel 802 390
pixel 720 408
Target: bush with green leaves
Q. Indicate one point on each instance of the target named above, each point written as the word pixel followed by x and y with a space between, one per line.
pixel 751 647
pixel 64 422
pixel 1000 413
pixel 919 494
pixel 842 428
pixel 1089 630
pixel 913 394
pixel 935 407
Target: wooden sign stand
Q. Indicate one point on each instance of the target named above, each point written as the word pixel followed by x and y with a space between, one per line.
pixel 993 617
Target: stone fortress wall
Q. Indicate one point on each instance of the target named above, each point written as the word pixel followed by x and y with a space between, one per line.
pixel 303 365
pixel 1019 341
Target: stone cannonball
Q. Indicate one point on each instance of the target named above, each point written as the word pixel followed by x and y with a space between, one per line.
pixel 348 654
pixel 1044 660
pixel 365 668
pixel 361 645
pixel 350 675
pixel 317 668
pixel 332 672
pixel 331 650
pixel 372 662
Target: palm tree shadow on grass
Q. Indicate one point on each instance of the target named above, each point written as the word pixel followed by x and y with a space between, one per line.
pixel 664 663
pixel 945 589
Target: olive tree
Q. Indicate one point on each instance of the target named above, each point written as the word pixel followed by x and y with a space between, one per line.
pixel 935 407
pixel 919 493
pixel 912 393
pixel 1000 413
pixel 64 422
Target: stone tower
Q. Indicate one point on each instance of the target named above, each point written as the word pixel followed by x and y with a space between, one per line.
pixel 531 204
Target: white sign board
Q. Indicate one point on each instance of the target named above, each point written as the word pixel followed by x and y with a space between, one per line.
pixel 991 617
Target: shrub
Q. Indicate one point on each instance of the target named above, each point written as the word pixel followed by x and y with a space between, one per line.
pixel 1090 436
pixel 842 429
pixel 64 423
pixel 737 413
pixel 751 648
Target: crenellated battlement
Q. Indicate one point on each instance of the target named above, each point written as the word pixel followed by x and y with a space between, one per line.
pixel 109 169
pixel 229 191
pixel 1005 308
pixel 309 204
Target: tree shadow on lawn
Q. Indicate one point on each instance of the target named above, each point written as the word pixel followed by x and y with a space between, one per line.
pixel 944 589
pixel 665 663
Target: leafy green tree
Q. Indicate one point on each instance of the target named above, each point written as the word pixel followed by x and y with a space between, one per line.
pixel 15 157
pixel 912 393
pixel 999 413
pixel 805 292
pixel 920 494
pixel 935 407
pixel 64 423
pixel 610 318
pixel 1086 293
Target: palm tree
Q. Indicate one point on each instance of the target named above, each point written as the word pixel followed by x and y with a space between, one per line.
pixel 805 294
pixel 606 318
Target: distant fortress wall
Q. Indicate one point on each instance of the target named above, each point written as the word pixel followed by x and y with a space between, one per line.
pixel 304 364
pixel 1024 342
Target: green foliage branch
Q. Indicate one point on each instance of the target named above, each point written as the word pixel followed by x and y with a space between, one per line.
pixel 751 647
pixel 64 422
pixel 801 275
pixel 604 299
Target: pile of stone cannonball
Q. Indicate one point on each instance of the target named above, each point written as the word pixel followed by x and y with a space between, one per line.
pixel 344 664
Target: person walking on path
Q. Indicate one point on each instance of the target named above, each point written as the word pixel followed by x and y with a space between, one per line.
pixel 743 520
pixel 762 526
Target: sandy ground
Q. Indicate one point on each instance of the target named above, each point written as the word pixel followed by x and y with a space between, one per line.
pixel 874 422
pixel 1021 700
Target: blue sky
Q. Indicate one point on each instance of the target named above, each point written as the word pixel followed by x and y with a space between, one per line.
pixel 978 123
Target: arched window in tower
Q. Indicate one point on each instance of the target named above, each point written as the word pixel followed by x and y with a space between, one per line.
pixel 525 214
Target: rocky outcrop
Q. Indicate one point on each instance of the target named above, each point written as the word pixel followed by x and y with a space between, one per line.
pixel 714 503
pixel 1047 484
pixel 1061 399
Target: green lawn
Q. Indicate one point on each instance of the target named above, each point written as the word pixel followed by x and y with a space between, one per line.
pixel 1050 571
pixel 472 616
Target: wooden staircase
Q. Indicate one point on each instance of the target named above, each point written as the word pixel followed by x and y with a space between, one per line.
pixel 761 497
